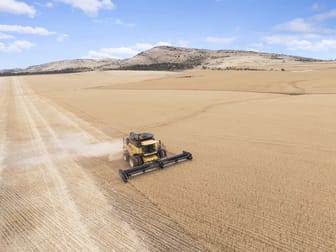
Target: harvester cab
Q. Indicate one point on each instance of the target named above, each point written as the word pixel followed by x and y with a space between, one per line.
pixel 144 152
pixel 142 148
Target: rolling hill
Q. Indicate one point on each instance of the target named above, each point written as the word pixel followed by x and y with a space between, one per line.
pixel 170 58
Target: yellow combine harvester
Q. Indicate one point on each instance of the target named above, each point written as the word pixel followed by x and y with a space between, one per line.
pixel 144 152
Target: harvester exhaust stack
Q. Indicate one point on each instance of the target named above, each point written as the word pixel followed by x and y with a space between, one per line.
pixel 158 163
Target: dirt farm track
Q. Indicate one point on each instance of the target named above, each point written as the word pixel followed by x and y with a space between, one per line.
pixel 262 178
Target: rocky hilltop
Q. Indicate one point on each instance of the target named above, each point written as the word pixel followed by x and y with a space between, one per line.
pixel 169 58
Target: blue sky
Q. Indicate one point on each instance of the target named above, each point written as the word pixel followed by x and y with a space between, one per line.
pixel 35 31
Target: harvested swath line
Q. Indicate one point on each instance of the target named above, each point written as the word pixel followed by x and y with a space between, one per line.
pixel 27 220
pixel 16 185
pixel 76 172
pixel 60 189
pixel 4 93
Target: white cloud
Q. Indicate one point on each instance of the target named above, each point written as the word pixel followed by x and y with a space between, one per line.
pixel 39 31
pixel 26 30
pixel 296 25
pixel 324 16
pixel 17 7
pixel 16 46
pixel 295 43
pixel 4 36
pixel 257 47
pixel 314 24
pixel 123 52
pixel 316 6
pixel 143 46
pixel 44 4
pixel 62 37
pixel 161 43
pixel 326 44
pixel 311 36
pixel 218 40
pixel 90 7
pixel 114 21
pixel 289 42
pixel 121 22
pixel 117 52
pixel 182 43
pixel 49 5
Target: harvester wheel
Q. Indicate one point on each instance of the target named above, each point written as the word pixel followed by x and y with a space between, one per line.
pixel 140 162
pixel 132 161
pixel 125 156
pixel 162 153
pixel 135 161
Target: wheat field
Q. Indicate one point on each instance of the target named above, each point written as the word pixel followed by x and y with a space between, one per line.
pixel 262 178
